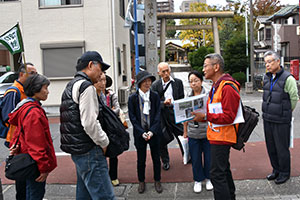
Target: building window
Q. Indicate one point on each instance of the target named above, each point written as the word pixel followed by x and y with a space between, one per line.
pixel 59 60
pixel 122 8
pixel 119 61
pixel 268 34
pixel 45 3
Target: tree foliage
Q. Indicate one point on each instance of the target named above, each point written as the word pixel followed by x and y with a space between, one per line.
pixel 197 36
pixel 234 54
pixel 196 58
pixel 171 33
pixel 265 7
pixel 233 40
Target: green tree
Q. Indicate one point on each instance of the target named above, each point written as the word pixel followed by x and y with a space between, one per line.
pixel 171 34
pixel 235 54
pixel 196 58
pixel 233 40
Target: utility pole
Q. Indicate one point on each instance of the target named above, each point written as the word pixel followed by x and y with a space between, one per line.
pixel 137 61
pixel 251 43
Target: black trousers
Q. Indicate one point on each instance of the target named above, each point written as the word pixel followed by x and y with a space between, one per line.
pixel 113 168
pixel 168 121
pixel 278 141
pixel 141 159
pixel 220 173
pixel 21 190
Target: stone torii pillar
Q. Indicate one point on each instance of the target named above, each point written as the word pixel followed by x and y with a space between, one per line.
pixel 151 37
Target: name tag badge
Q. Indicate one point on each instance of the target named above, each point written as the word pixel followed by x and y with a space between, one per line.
pixel 215 108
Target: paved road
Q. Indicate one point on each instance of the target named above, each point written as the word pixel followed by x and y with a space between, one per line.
pixel 246 189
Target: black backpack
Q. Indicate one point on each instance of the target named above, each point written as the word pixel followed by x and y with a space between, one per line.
pixel 113 127
pixel 245 129
pixel 115 130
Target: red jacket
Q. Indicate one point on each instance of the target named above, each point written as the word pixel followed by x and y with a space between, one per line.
pixel 36 138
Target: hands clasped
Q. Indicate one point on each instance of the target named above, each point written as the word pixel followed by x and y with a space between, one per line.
pixel 147 136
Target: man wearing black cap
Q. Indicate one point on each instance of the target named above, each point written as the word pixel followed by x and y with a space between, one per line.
pixel 81 132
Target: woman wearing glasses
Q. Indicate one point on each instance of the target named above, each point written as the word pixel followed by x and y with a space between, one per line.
pixel 198 143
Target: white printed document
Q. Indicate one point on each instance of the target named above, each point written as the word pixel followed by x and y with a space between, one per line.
pixel 184 107
pixel 218 109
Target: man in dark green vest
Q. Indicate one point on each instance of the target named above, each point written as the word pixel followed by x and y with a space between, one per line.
pixel 279 100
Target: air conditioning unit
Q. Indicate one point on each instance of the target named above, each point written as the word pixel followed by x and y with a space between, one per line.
pixel 123 95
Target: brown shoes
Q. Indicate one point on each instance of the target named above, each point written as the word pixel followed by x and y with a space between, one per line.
pixel 158 187
pixel 141 188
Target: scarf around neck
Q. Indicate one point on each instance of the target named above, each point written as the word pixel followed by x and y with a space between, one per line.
pixel 146 98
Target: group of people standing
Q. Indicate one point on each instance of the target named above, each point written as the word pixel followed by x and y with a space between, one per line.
pixel 210 145
pixel 151 113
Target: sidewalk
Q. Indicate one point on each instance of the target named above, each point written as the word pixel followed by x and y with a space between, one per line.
pixel 249 170
pixel 258 189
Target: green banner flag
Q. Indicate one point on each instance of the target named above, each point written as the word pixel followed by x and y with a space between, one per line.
pixel 12 39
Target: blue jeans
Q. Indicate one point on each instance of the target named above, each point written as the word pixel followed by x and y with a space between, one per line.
pixel 93 180
pixel 197 148
pixel 35 190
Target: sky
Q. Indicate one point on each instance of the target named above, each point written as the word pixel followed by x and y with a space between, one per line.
pixel 177 3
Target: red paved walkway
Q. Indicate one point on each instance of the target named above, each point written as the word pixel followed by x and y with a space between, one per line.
pixel 253 164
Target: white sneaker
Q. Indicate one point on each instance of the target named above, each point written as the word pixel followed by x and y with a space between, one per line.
pixel 197 187
pixel 209 185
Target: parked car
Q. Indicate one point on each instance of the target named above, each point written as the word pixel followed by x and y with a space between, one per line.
pixel 7 80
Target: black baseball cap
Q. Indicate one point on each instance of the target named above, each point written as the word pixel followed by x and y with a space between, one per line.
pixel 94 56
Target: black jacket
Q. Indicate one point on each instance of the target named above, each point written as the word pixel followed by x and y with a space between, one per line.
pixel 135 118
pixel 73 139
pixel 177 86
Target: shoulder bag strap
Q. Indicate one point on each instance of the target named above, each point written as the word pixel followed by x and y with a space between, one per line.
pixel 164 90
pixel 22 125
pixel 240 100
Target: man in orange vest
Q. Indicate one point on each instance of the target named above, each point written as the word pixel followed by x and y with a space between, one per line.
pixel 222 107
pixel 10 100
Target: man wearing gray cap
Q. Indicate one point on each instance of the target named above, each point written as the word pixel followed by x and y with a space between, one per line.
pixel 81 133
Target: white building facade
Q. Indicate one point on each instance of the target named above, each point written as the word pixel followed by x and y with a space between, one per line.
pixel 57 32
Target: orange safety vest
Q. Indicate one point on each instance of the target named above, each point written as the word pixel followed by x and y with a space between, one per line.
pixel 223 133
pixel 23 96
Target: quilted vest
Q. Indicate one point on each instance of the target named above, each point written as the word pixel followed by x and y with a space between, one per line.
pixel 74 139
pixel 276 106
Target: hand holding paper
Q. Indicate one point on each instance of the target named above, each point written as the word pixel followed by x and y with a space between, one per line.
pixel 198 116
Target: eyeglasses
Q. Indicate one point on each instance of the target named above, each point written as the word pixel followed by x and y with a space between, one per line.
pixel 212 64
pixel 269 61
pixel 194 81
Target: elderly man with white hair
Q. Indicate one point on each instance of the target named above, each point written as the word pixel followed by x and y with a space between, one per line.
pixel 279 100
pixel 169 89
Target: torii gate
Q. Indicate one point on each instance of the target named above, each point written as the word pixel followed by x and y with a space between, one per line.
pixel 151 17
pixel 190 15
